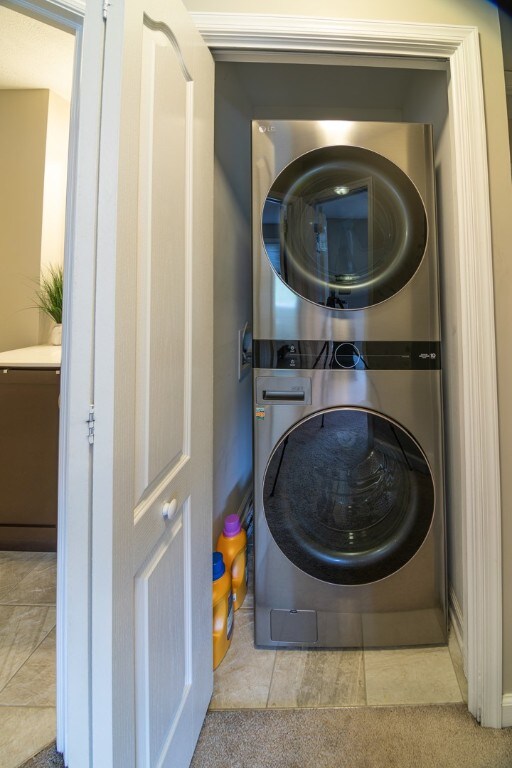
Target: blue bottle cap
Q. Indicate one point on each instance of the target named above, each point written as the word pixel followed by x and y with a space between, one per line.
pixel 219 568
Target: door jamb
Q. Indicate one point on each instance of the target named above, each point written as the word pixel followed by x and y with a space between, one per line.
pixel 272 36
pixel 73 536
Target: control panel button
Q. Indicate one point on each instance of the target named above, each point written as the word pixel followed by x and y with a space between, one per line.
pixel 347 355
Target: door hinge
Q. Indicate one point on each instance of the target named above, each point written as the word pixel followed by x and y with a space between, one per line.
pixel 90 423
pixel 106 6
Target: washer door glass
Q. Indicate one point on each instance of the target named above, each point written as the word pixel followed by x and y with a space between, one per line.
pixel 344 227
pixel 348 496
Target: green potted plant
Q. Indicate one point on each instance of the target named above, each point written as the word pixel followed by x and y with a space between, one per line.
pixel 49 299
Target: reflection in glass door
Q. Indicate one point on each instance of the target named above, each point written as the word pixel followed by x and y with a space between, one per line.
pixel 348 496
pixel 344 227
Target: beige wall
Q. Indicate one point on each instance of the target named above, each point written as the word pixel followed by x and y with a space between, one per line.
pixel 23 120
pixel 484 16
pixel 54 194
pixel 34 128
pixel 427 102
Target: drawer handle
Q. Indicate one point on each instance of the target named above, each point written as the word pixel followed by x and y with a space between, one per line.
pixel 271 394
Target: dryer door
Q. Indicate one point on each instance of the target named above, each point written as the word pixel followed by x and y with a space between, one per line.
pixel 344 227
pixel 348 496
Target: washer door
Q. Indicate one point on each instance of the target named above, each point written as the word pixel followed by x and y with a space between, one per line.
pixel 348 496
pixel 344 227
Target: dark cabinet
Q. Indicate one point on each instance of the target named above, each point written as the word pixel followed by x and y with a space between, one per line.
pixel 29 435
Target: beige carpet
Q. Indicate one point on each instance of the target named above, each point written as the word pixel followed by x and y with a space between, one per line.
pixel 48 758
pixel 364 737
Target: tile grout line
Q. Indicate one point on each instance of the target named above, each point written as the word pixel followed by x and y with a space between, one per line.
pixel 5 600
pixel 364 677
pixel 44 565
pixel 30 572
pixel 271 679
pixel 27 605
pixel 463 699
pixel 39 568
pixel 27 706
pixel 18 669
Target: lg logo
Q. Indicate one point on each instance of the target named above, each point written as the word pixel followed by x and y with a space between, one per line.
pixel 267 128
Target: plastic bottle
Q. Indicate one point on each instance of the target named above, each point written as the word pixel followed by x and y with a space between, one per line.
pixel 233 544
pixel 222 609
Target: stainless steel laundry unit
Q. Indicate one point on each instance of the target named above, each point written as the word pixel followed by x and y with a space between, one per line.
pixel 348 433
pixel 344 235
pixel 349 518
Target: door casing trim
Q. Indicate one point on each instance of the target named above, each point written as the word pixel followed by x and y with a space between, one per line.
pixel 251 36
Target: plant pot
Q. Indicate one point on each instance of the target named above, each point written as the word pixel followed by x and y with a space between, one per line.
pixel 56 335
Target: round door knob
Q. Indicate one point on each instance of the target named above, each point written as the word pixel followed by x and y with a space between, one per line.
pixel 169 509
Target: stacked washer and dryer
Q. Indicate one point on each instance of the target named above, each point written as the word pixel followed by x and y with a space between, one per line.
pixel 348 435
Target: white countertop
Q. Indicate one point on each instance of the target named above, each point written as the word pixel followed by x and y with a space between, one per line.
pixel 42 356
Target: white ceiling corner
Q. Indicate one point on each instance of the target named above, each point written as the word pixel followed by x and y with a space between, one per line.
pixel 34 54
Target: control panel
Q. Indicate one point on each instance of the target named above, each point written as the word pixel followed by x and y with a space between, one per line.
pixel 347 355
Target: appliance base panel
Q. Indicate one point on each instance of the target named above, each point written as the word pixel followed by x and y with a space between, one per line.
pixel 278 628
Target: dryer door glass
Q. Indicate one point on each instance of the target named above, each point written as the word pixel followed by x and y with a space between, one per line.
pixel 344 227
pixel 348 496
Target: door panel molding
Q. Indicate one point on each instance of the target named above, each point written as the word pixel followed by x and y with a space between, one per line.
pixel 162 660
pixel 163 216
pixel 153 397
pixel 258 37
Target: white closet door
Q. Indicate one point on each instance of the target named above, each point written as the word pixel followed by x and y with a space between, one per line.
pixel 152 467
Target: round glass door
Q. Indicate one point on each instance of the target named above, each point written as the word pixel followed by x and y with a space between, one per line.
pixel 348 496
pixel 344 227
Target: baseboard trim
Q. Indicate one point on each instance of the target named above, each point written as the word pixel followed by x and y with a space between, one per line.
pixel 506 708
pixel 457 622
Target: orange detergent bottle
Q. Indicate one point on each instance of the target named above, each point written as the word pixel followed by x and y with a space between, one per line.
pixel 233 544
pixel 222 609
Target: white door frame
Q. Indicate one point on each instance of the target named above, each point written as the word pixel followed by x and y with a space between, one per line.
pixel 251 34
pixel 73 546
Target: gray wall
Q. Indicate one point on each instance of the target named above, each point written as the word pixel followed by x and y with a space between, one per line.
pixel 427 101
pixel 506 38
pixel 232 424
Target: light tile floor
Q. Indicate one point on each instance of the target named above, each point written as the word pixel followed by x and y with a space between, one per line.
pixel 250 678
pixel 27 654
pixel 247 677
